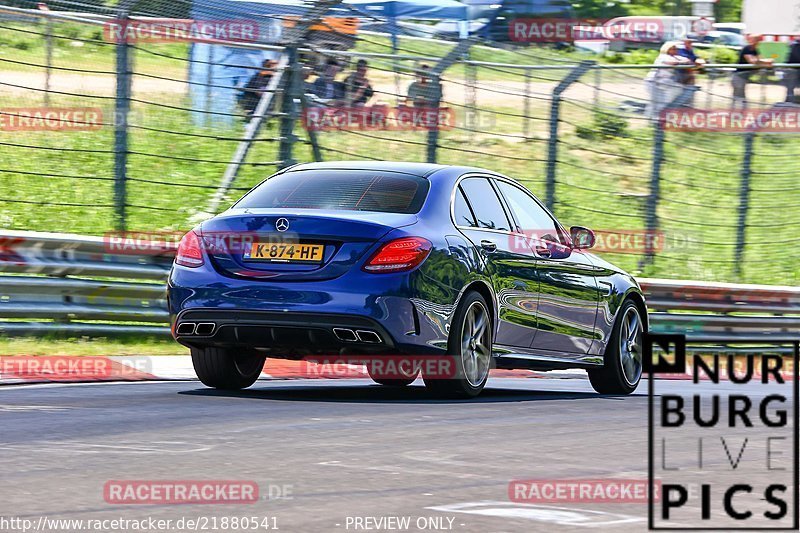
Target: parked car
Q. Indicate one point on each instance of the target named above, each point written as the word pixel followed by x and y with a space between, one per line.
pixel 504 12
pixel 732 27
pixel 402 258
pixel 721 38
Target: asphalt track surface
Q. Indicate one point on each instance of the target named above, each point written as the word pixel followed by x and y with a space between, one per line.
pixel 338 449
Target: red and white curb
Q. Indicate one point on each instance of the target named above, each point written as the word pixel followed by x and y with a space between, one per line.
pixel 66 369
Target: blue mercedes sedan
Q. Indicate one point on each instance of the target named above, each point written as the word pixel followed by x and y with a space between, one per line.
pixel 388 259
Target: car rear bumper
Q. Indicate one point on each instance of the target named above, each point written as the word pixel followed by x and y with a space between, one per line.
pixel 282 333
pixel 297 318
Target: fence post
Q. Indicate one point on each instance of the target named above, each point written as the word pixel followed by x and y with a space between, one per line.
pixel 526 109
pixel 209 89
pixel 48 43
pixel 316 149
pixel 471 99
pixel 552 143
pixel 433 131
pixel 651 209
pixel 744 202
pixel 598 82
pixel 289 105
pixel 454 55
pixel 122 105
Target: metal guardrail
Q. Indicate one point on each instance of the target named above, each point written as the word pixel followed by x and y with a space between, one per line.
pixel 54 284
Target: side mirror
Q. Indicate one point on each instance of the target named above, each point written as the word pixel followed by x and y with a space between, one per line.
pixel 582 238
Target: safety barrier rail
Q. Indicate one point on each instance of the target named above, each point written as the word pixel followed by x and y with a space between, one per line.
pixel 56 284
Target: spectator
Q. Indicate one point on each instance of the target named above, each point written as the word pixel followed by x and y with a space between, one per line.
pixel 689 76
pixel 793 74
pixel 358 91
pixel 662 82
pixel 325 89
pixel 747 56
pixel 422 92
pixel 255 87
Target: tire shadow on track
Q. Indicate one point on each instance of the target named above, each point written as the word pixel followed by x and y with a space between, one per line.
pixel 380 394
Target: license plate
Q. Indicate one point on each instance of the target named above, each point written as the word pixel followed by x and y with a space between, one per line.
pixel 286 252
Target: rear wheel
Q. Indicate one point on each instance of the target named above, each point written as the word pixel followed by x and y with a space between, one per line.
pixel 470 347
pixel 396 377
pixel 622 368
pixel 224 369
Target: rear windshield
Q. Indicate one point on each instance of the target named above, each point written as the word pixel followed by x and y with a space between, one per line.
pixel 349 190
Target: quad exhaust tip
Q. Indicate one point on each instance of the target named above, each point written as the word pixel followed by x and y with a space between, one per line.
pixel 203 329
pixel 344 334
pixel 186 328
pixel 360 335
pixel 368 336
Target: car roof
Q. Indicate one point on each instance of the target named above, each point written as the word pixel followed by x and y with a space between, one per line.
pixel 417 169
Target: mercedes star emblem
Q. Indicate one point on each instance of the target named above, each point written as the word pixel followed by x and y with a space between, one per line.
pixel 282 224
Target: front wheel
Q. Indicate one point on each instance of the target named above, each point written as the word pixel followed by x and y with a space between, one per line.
pixel 622 367
pixel 469 345
pixel 224 369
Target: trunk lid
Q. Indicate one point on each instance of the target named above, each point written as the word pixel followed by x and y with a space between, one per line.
pixel 313 244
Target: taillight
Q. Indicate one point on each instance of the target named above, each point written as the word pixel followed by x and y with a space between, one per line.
pixel 399 255
pixel 190 252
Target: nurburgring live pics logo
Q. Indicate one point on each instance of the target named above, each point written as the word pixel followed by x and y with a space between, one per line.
pixel 735 435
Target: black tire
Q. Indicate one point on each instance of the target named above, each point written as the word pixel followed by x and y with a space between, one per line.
pixel 616 377
pixel 224 369
pixel 402 379
pixel 460 385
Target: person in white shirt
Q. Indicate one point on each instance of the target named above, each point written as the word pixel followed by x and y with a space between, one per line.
pixel 662 83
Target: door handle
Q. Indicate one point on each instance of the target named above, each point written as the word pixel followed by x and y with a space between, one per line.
pixel 543 251
pixel 489 246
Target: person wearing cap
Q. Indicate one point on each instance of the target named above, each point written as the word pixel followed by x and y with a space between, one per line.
pixel 663 82
pixel 748 55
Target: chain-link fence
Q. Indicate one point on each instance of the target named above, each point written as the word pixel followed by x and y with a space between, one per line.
pixel 149 116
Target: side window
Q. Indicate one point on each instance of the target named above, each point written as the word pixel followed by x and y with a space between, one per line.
pixel 489 213
pixel 462 212
pixel 533 219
